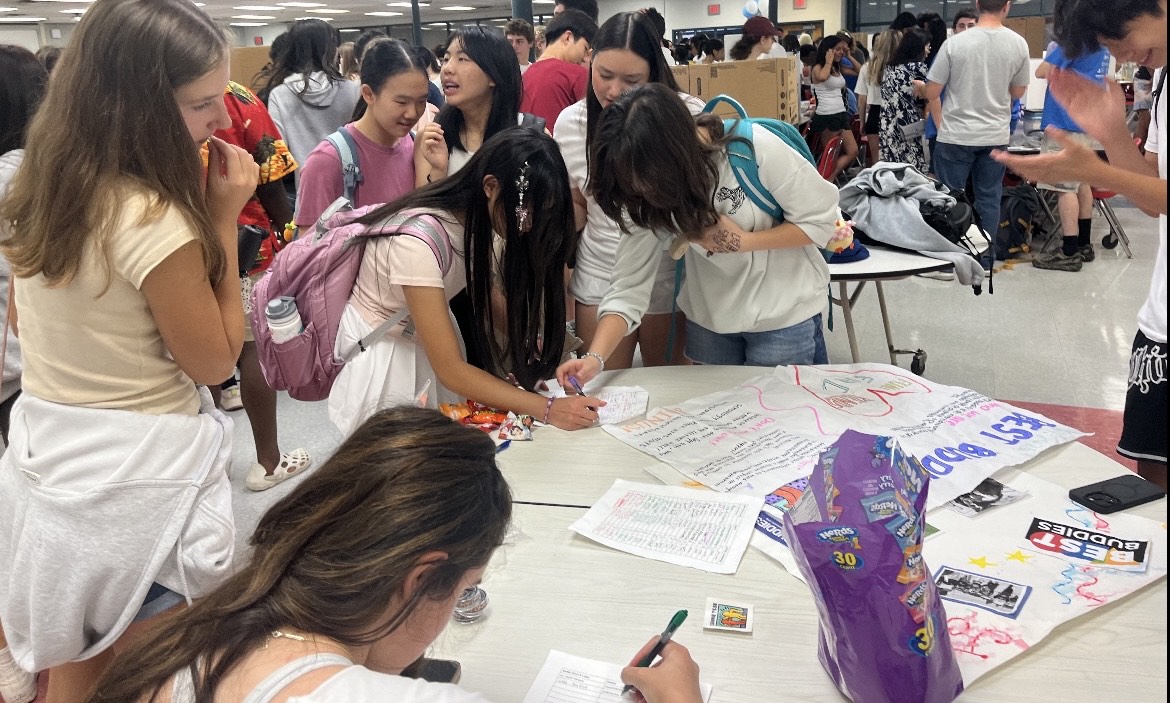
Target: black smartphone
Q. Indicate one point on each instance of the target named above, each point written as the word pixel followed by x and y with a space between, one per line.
pixel 439 670
pixel 1116 494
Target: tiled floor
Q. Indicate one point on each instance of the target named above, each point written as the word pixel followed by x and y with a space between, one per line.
pixel 1043 336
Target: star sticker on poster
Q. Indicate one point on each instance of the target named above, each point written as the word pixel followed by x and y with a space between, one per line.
pixel 1019 556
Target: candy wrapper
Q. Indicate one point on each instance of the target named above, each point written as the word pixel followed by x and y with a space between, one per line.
pixel 856 534
pixel 842 237
pixel 518 428
pixel 475 415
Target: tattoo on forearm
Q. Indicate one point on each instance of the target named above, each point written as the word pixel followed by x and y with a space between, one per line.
pixel 726 241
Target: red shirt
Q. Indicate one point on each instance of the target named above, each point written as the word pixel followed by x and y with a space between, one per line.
pixel 254 131
pixel 551 85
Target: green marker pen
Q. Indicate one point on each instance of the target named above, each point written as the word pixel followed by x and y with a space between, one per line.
pixel 662 640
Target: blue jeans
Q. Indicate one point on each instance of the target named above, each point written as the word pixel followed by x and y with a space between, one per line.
pixel 802 343
pixel 954 163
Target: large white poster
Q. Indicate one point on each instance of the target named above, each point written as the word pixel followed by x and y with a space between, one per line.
pixel 767 433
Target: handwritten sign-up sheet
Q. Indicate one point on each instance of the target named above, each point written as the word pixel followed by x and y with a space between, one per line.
pixel 565 678
pixel 768 432
pixel 700 529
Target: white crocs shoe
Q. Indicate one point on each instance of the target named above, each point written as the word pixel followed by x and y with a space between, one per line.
pixel 16 684
pixel 291 464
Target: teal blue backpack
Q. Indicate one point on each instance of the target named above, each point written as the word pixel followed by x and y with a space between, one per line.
pixel 741 153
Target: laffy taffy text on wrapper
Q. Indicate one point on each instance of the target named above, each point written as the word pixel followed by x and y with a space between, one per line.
pixel 856 534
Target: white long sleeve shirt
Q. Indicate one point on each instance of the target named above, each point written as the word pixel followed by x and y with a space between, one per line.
pixel 755 291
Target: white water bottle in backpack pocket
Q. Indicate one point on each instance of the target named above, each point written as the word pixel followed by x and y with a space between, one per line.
pixel 284 320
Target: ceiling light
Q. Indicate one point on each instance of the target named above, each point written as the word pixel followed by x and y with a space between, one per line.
pixel 544 2
pixel 301 4
pixel 71 2
pixel 384 14
pixel 343 31
pixel 311 17
pixel 259 8
pixel 78 11
pixel 7 9
pixel 253 17
pixel 406 4
pixel 17 20
pixel 328 11
pixel 438 24
pixel 457 8
pixel 249 24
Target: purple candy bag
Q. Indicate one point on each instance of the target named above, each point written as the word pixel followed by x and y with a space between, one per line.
pixel 857 535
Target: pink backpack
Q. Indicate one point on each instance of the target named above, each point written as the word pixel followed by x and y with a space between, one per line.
pixel 319 271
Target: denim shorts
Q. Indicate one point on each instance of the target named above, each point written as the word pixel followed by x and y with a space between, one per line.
pixel 158 599
pixel 802 343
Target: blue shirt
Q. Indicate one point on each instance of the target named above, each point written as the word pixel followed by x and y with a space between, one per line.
pixel 850 81
pixel 1094 66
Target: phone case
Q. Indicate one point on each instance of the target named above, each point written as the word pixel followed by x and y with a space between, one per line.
pixel 1115 494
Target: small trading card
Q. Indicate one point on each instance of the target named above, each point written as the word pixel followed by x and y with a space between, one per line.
pixel 727 616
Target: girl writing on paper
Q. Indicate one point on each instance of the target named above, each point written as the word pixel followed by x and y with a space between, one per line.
pixel 754 290
pixel 354 575
pixel 625 54
pixel 508 218
pixel 482 86
pixel 126 298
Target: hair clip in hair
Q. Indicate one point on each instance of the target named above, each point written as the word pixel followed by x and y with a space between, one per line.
pixel 523 210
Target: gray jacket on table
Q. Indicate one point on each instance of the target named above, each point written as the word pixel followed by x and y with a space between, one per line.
pixel 884 202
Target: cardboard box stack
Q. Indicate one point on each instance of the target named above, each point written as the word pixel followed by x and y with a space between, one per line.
pixel 765 88
pixel 1033 30
pixel 246 62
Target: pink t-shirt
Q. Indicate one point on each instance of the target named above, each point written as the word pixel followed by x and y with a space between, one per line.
pixel 387 174
pixel 552 85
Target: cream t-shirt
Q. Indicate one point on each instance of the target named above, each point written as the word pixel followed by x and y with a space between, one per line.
pixel 96 349
pixel 391 262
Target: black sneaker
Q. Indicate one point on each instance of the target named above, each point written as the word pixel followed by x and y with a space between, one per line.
pixel 1087 253
pixel 1059 262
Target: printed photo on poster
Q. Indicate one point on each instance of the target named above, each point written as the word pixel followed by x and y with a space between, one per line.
pixel 987 495
pixel 991 593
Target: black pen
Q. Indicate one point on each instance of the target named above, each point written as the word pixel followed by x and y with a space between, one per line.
pixel 657 649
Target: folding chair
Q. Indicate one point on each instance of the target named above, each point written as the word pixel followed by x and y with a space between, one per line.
pixel 828 158
pixel 1116 234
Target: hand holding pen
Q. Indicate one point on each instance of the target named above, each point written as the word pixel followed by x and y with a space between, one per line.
pixel 674 679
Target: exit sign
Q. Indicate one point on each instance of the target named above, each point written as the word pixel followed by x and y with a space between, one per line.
pixel 712 10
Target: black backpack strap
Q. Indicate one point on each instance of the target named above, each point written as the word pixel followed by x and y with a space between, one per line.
pixel 527 119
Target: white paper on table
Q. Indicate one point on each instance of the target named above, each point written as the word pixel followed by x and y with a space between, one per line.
pixel 622 403
pixel 565 678
pixel 767 537
pixel 701 529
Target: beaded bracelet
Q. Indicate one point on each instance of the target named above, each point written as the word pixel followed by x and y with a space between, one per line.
pixel 600 359
pixel 548 409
